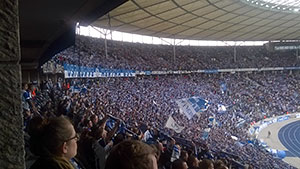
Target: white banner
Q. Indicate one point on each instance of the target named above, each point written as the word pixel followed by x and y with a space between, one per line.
pixel 171 124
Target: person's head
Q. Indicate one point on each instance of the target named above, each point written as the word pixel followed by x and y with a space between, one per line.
pixel 53 137
pixel 135 130
pixel 184 155
pixel 87 123
pixel 222 166
pixel 30 87
pixel 193 161
pixel 25 86
pixel 90 124
pixel 179 164
pixel 206 164
pixel 95 119
pixel 219 164
pixel 132 154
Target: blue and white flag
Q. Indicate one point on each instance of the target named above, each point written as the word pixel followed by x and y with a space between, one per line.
pixel 175 153
pixel 211 121
pixel 191 106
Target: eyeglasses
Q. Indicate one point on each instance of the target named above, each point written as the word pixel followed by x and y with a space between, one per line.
pixel 75 137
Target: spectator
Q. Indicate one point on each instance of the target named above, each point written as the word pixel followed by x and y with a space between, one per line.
pixel 54 141
pixel 179 164
pixel 206 164
pixel 184 155
pixel 220 165
pixel 193 162
pixel 132 154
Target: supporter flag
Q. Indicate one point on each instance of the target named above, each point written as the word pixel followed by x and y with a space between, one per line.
pixel 240 122
pixel 212 121
pixel 233 116
pixel 277 153
pixel 240 144
pixel 110 123
pixel 223 87
pixel 122 128
pixel 218 123
pixel 191 106
pixel 147 136
pixel 205 133
pixel 171 124
pixel 234 138
pixel 221 108
pixel 175 153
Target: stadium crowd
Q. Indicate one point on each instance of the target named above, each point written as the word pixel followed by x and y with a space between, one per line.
pixel 144 104
pixel 123 55
pixel 110 114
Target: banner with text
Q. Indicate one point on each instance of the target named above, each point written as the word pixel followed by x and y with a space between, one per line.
pixel 74 71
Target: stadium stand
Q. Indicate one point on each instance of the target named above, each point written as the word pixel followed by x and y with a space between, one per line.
pixel 143 104
pixel 123 55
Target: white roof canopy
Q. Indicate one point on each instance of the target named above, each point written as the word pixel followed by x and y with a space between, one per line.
pixel 230 20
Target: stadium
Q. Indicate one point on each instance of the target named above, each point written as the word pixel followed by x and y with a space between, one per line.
pixel 167 84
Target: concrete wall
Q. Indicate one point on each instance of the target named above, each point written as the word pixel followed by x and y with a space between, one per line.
pixel 11 134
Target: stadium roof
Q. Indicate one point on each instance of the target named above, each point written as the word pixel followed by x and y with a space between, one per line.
pixel 48 26
pixel 242 20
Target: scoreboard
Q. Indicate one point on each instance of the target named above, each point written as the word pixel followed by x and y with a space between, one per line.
pixel 282 46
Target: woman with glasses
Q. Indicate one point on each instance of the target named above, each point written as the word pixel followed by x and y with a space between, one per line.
pixel 54 141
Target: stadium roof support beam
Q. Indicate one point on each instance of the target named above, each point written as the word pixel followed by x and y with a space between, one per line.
pixel 105 38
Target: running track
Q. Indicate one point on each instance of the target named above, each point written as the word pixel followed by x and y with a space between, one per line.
pixel 289 136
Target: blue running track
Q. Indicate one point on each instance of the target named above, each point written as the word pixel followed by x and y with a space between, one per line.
pixel 289 136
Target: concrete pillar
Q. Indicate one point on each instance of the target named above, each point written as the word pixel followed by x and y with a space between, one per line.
pixel 11 121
